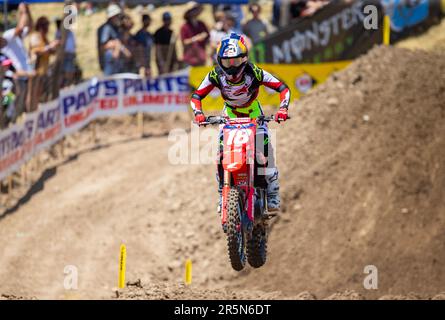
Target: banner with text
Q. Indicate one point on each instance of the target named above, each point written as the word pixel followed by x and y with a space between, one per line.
pixel 300 79
pixel 77 106
pixel 339 30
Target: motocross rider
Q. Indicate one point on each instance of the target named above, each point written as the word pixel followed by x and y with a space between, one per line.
pixel 238 81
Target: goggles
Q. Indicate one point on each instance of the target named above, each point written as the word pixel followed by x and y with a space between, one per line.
pixel 232 62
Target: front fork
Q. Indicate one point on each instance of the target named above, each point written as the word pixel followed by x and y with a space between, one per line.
pixel 225 193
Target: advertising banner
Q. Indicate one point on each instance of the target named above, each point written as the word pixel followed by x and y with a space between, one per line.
pixel 39 130
pixel 410 17
pixel 334 33
pixel 300 79
pixel 15 146
pixel 78 106
pixel 337 31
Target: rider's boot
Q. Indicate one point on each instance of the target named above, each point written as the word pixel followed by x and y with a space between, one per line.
pixel 273 191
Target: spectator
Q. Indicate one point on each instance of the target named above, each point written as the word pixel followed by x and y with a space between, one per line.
pixel 3 42
pixel 313 6
pixel 89 8
pixel 218 32
pixel 165 41
pixel 255 28
pixel 144 40
pixel 130 62
pixel 40 46
pixel 227 29
pixel 69 57
pixel 194 36
pixel 7 95
pixel 297 7
pixel 276 13
pixel 237 13
pixel 305 8
pixel 234 11
pixel 218 16
pixel 111 48
pixel 4 99
pixel 40 50
pixel 16 52
pixel 3 68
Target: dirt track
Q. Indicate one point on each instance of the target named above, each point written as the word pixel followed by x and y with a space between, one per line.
pixel 362 174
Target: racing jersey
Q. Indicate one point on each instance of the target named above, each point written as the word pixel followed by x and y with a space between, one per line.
pixel 240 97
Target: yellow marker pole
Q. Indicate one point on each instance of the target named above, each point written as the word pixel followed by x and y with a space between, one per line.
pixel 10 183
pixel 62 147
pixel 122 265
pixel 23 173
pixel 140 120
pixel 38 163
pixel 93 131
pixel 386 30
pixel 188 272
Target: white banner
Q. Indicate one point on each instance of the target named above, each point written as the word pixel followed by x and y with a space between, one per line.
pixel 77 106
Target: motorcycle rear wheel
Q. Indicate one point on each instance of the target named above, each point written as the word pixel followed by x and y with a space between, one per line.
pixel 257 247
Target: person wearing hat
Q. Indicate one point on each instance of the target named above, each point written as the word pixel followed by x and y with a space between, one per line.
pixel 69 65
pixel 111 48
pixel 194 36
pixel 165 42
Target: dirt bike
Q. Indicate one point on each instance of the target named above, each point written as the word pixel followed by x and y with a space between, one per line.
pixel 244 213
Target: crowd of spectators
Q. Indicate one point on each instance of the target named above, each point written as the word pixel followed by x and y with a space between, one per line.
pixel 286 11
pixel 26 68
pixel 198 41
pixel 117 45
pixel 33 61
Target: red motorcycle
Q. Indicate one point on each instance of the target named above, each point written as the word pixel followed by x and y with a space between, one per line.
pixel 244 213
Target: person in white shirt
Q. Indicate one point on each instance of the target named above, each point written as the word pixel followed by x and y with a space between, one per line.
pixel 15 50
pixel 223 27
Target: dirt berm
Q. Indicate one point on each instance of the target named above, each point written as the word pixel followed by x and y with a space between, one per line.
pixel 362 167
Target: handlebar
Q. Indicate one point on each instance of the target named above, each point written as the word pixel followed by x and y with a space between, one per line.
pixel 216 120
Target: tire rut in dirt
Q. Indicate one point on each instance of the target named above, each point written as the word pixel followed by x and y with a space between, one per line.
pixel 233 242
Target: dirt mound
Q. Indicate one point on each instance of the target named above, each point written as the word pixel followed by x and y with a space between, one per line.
pixel 432 40
pixel 163 291
pixel 363 174
pixel 13 297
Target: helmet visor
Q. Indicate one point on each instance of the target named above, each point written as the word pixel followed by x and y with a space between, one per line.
pixel 232 62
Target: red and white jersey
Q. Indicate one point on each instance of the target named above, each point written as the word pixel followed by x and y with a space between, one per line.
pixel 242 94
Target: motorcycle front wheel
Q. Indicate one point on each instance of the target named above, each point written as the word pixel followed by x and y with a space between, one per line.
pixel 236 240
